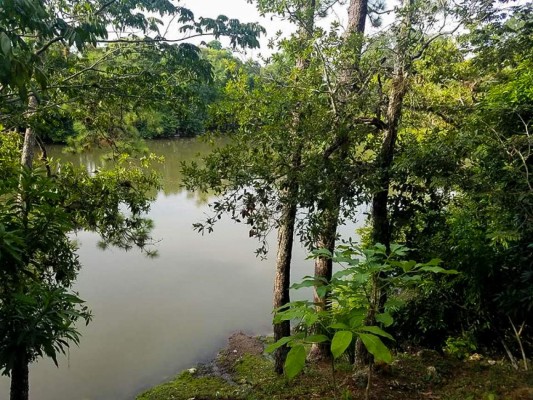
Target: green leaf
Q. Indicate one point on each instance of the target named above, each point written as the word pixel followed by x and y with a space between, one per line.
pixel 310 318
pixel 394 303
pixel 5 43
pixel 276 345
pixel 320 253
pixel 342 273
pixel 345 259
pixel 439 270
pixel 322 291
pixel 376 331
pixel 295 361
pixel 385 318
pixel 398 249
pixel 339 325
pixel 361 278
pixel 316 339
pixel 306 283
pixel 407 265
pixel 380 248
pixel 340 342
pixel 40 77
pixel 357 318
pixel 375 346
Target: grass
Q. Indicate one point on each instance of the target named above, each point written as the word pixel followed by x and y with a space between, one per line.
pixel 410 377
pixel 186 386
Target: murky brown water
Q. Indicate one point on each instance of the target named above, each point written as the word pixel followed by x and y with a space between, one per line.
pixel 155 317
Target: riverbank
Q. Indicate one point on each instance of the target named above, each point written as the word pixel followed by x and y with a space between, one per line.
pixel 243 372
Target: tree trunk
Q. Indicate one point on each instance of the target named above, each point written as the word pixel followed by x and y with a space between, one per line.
pixel 381 226
pixel 381 230
pixel 282 278
pixel 324 270
pixel 357 13
pixel 288 218
pixel 20 376
pixel 30 140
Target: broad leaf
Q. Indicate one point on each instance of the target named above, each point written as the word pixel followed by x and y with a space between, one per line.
pixel 342 273
pixel 339 325
pixel 385 318
pixel 341 341
pixel 276 345
pixel 5 43
pixel 375 346
pixel 306 283
pixel 439 270
pixel 376 331
pixel 295 361
pixel 316 339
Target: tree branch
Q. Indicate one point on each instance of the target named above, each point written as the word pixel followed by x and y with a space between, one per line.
pixel 47 45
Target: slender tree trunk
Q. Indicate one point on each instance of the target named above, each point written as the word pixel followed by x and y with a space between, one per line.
pixel 357 13
pixel 381 230
pixel 381 226
pixel 288 220
pixel 20 372
pixel 323 270
pixel 20 376
pixel 283 271
pixel 30 140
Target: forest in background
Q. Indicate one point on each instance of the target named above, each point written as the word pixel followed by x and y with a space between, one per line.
pixel 419 109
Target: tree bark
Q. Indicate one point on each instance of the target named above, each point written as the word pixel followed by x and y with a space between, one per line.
pixel 324 270
pixel 381 230
pixel 381 226
pixel 288 217
pixel 283 274
pixel 30 140
pixel 357 13
pixel 20 387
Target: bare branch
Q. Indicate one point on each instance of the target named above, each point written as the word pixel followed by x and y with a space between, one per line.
pixel 91 67
pixel 104 6
pixel 47 45
pixel 432 39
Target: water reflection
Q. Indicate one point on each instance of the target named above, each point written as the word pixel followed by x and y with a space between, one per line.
pixel 154 317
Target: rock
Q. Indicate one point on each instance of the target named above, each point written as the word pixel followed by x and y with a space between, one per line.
pixel 192 371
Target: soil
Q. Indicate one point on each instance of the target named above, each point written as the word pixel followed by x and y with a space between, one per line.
pixel 239 344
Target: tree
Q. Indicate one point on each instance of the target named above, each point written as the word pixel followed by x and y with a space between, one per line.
pixel 38 262
pixel 339 183
pixel 38 259
pixel 483 225
pixel 358 139
pixel 29 33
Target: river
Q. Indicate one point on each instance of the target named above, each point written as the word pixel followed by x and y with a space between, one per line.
pixel 155 317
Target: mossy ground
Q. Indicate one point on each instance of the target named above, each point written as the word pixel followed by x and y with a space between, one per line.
pixel 422 376
pixel 187 386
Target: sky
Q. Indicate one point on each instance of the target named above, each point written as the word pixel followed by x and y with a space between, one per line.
pixel 245 12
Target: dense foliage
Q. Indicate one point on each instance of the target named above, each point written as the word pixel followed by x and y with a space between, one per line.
pixel 63 77
pixel 426 121
pixel 433 132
